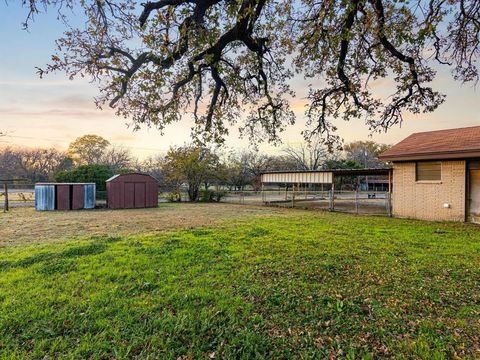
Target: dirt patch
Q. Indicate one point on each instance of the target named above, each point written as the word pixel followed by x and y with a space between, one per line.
pixel 23 226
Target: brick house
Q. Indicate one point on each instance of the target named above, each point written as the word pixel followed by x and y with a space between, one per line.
pixel 436 175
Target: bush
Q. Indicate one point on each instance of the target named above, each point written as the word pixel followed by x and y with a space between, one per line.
pixel 173 197
pixel 206 195
pixel 211 195
pixel 98 174
pixel 219 195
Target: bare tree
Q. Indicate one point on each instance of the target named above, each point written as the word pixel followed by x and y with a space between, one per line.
pixel 308 155
pixel 151 165
pixel 245 167
pixel 33 164
pixel 9 163
pixel 117 158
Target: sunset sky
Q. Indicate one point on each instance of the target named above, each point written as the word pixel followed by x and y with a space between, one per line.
pixel 54 110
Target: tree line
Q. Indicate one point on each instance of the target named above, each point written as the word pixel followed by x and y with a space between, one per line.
pixel 198 170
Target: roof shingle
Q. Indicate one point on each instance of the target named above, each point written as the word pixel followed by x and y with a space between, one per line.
pixel 451 143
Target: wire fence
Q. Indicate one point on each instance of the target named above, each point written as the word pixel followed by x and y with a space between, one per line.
pixel 360 202
pixel 17 195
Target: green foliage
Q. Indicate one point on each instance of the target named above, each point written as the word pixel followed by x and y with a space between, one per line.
pixel 371 147
pixel 212 195
pixel 88 149
pixel 219 195
pixel 125 171
pixel 296 285
pixel 173 197
pixel 87 173
pixel 206 195
pixel 366 153
pixel 191 165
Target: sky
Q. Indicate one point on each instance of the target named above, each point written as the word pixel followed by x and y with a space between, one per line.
pixel 53 111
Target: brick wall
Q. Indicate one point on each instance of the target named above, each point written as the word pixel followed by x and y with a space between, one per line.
pixel 424 200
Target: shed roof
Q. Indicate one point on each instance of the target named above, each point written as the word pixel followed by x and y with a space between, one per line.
pixel 457 143
pixel 65 183
pixel 131 173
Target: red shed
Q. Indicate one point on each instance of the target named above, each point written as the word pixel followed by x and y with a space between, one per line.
pixel 133 190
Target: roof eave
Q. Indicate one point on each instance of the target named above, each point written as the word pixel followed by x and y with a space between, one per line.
pixel 445 155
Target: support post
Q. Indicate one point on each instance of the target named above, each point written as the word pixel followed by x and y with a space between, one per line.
pixel 263 195
pixel 332 195
pixel 286 192
pixel 356 201
pixel 5 204
pixel 293 195
pixel 390 193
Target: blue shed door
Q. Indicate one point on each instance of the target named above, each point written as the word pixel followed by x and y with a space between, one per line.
pixel 45 197
pixel 89 194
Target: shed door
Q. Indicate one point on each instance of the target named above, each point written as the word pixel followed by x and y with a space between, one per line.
pixel 89 196
pixel 140 195
pixel 129 194
pixel 78 197
pixel 63 197
pixel 474 196
pixel 45 197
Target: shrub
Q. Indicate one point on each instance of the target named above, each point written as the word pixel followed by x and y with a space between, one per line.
pixel 211 195
pixel 206 195
pixel 173 197
pixel 219 195
pixel 98 174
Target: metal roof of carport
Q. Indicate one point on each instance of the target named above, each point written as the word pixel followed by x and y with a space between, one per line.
pixel 318 176
pixel 360 172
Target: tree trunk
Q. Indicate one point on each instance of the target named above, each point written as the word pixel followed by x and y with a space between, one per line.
pixel 193 192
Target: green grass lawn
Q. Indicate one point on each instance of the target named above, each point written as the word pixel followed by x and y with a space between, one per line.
pixel 296 285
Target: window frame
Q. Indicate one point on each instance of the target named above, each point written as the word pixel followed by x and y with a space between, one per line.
pixel 434 181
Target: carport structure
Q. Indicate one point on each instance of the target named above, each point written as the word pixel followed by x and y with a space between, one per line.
pixel 300 181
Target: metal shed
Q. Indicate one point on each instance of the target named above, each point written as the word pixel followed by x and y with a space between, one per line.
pixel 132 190
pixel 64 196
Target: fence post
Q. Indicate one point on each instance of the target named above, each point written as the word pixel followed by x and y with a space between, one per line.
pixel 390 193
pixel 389 203
pixel 293 195
pixel 356 201
pixel 5 204
pixel 332 197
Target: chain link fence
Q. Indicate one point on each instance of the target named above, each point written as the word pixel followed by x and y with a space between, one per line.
pixel 359 202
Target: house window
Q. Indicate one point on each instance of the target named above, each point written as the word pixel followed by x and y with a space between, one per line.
pixel 429 171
